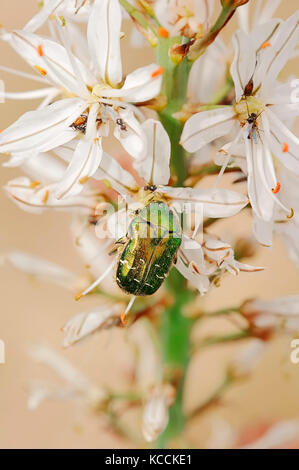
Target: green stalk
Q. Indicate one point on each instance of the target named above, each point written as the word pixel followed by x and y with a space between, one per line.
pixel 175 344
pixel 175 327
pixel 175 90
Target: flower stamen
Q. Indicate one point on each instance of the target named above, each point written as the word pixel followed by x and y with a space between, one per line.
pixel 40 50
pixel 277 188
pixel 42 71
pixel 285 147
pixel 156 73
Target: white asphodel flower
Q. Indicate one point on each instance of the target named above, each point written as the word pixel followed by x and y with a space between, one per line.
pixel 95 97
pixel 76 386
pixel 184 17
pixel 273 315
pixel 60 10
pixel 261 107
pixel 155 412
pixel 288 229
pixel 196 261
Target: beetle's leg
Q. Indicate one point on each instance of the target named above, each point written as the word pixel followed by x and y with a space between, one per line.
pixel 117 244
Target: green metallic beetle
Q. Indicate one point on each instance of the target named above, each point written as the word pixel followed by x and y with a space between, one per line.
pixel 147 253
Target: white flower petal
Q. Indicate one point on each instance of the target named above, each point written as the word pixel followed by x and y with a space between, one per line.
pixel 206 126
pixel 41 268
pixel 53 59
pixel 244 62
pixel 110 170
pixel 133 138
pixel 259 193
pixel 280 138
pixel 140 85
pixel 85 161
pixel 103 34
pixel 263 231
pixel 40 18
pixel 279 52
pixel 36 198
pixel 86 323
pixel 215 202
pixel 44 129
pixel 154 169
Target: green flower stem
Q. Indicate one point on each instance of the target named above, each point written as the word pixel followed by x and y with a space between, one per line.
pixel 174 88
pixel 214 398
pixel 136 15
pixel 175 327
pixel 199 47
pixel 175 344
pixel 223 339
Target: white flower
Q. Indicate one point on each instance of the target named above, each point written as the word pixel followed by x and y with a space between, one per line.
pixel 257 116
pixel 247 358
pixel 85 323
pixel 42 269
pixel 272 315
pixel 204 263
pixel 155 412
pixel 195 261
pixel 62 10
pixel 98 97
pixel 76 386
pixel 184 17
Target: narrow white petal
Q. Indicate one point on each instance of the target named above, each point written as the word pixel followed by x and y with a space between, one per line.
pixel 43 129
pixel 133 138
pixel 154 169
pixel 215 202
pixel 284 144
pixel 85 161
pixel 103 34
pixel 86 323
pixel 258 190
pixel 41 268
pixel 41 17
pixel 110 170
pixel 52 58
pixel 140 85
pixel 244 62
pixel 206 126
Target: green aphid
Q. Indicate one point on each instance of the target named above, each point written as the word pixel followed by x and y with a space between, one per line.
pixel 149 249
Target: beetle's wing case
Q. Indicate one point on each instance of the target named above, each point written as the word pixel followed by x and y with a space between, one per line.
pixel 154 237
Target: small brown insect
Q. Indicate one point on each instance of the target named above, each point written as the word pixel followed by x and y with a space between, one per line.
pixel 248 88
pixel 80 123
pixel 121 124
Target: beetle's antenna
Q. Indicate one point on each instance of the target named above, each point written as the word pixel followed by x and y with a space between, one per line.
pixel 128 308
pixel 96 282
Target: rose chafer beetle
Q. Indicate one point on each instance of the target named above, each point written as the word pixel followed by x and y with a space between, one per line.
pixel 147 253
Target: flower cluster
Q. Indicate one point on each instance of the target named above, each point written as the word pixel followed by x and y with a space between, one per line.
pixel 202 108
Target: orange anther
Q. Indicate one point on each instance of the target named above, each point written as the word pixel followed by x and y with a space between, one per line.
pixel 78 296
pixel 40 70
pixel 163 32
pixel 285 147
pixel 123 319
pixel 156 73
pixel 277 189
pixel 46 196
pixel 87 266
pixel 291 214
pixel 40 50
pixel 265 44
pixel 95 140
pixel 34 184
pixel 83 180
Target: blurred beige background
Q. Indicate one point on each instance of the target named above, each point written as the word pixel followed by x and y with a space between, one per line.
pixel 34 312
